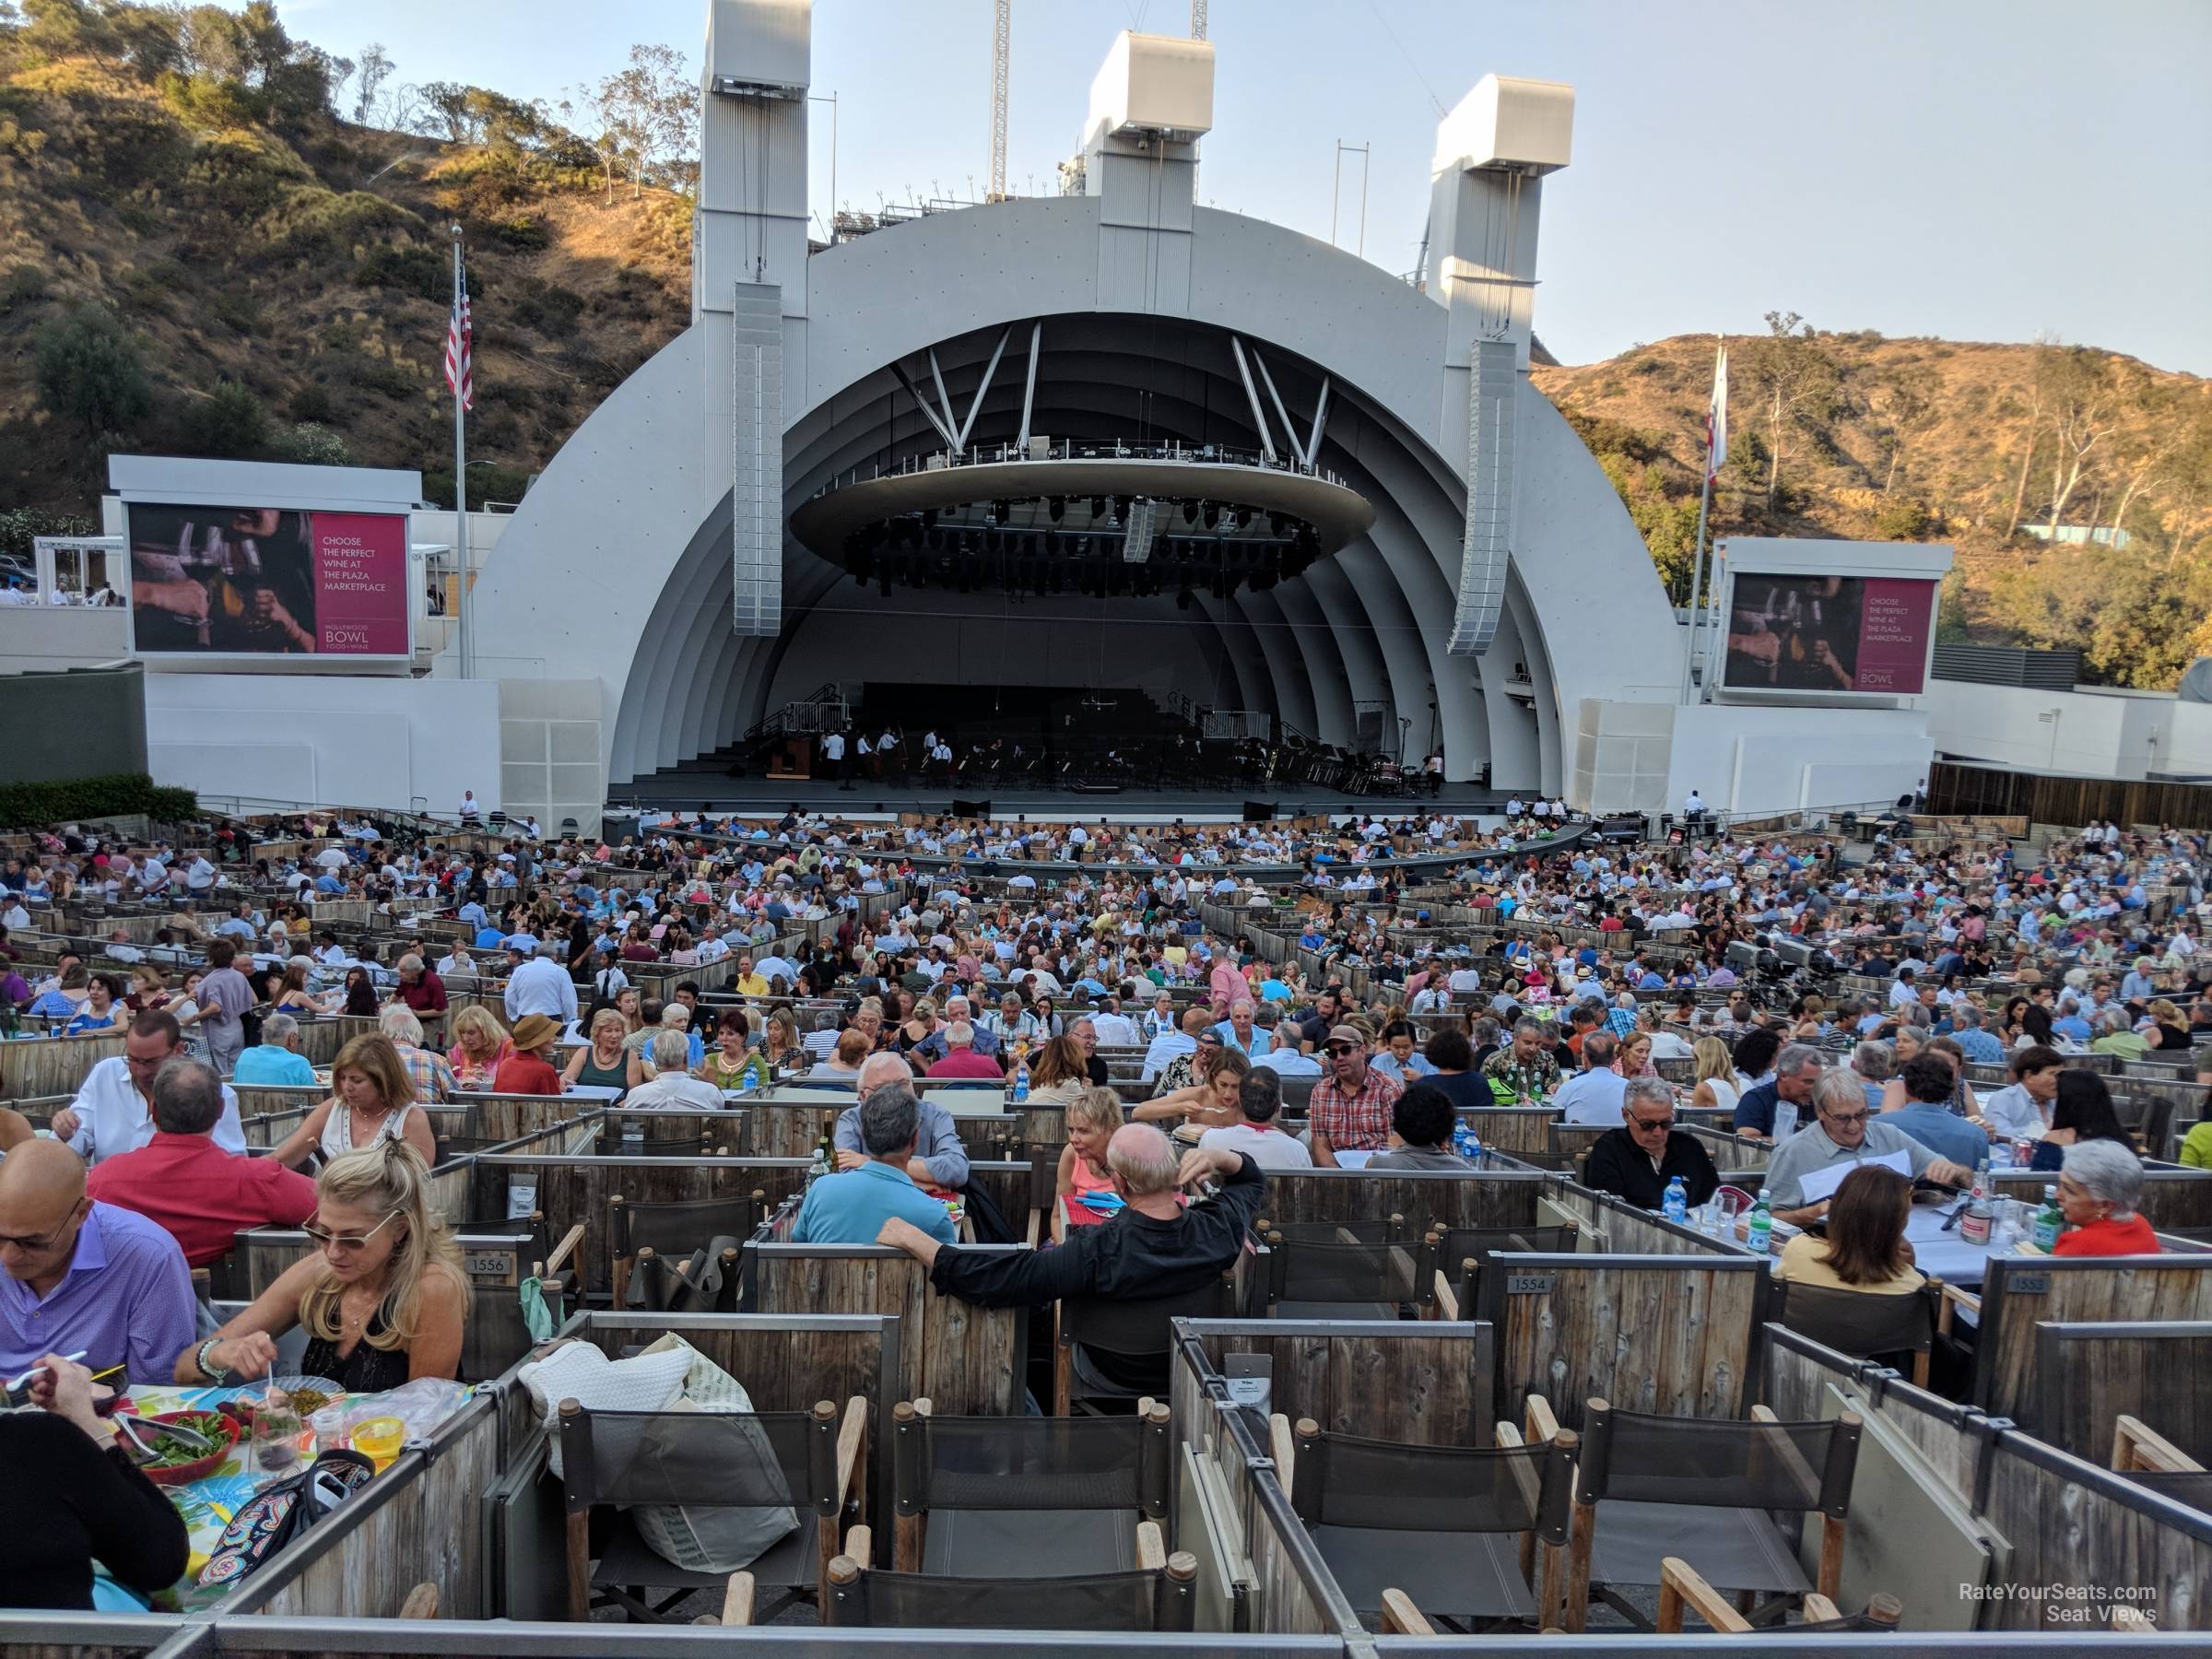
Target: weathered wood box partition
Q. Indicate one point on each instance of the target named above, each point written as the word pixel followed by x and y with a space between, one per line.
pixel 52 1065
pixel 89 1635
pixel 2020 1293
pixel 965 1359
pixel 570 1190
pixel 2174 1200
pixel 1290 1590
pixel 2074 1538
pixel 1425 1197
pixel 1423 1383
pixel 421 1520
pixel 2091 1373
pixel 1671 1334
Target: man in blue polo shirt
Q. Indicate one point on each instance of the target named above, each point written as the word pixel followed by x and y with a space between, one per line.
pixel 850 1206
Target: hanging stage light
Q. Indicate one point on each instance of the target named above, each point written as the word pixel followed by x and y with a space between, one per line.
pixel 1059 506
pixel 1190 512
pixel 1213 514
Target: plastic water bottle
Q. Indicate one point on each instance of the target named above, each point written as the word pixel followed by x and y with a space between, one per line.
pixel 1021 1082
pixel 2000 1155
pixel 1761 1232
pixel 1675 1205
pixel 2048 1220
pixel 1973 1229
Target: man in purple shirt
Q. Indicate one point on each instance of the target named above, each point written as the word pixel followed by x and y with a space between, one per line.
pixel 79 1276
pixel 225 995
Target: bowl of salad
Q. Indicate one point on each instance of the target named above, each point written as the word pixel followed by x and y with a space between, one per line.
pixel 173 1461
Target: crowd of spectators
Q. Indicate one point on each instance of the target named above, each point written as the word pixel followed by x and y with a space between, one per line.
pixel 1395 973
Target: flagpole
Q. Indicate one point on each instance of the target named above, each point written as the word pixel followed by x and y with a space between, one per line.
pixel 1715 417
pixel 1697 583
pixel 467 651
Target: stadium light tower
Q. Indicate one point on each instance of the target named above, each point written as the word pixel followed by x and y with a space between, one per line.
pixel 1001 37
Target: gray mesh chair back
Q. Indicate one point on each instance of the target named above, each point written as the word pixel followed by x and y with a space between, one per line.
pixel 1455 1528
pixel 1712 1491
pixel 1025 1497
pixel 1461 1252
pixel 1310 1279
pixel 1383 1231
pixel 1155 1600
pixel 1137 1335
pixel 1862 1324
pixel 1714 1462
pixel 768 1460
pixel 677 1227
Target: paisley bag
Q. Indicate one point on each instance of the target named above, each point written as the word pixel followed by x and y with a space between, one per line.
pixel 281 1512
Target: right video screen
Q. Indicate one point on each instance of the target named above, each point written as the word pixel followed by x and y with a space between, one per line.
pixel 1835 634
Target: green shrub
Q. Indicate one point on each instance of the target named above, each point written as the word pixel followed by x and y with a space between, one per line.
pixel 316 219
pixel 1903 519
pixel 314 403
pixel 373 374
pixel 229 422
pixel 35 806
pixel 523 233
pixel 417 270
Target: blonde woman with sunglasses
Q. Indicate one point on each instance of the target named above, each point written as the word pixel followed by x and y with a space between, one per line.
pixel 382 1298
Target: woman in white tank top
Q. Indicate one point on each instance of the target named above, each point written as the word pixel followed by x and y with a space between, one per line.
pixel 1716 1082
pixel 373 1102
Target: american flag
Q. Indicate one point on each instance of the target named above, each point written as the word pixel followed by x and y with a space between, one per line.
pixel 1716 417
pixel 459 336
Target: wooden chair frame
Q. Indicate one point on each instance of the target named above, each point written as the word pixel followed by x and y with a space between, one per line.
pixel 850 1488
pixel 1582 1533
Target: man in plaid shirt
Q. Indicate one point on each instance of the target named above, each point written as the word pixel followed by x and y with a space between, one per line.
pixel 1621 1019
pixel 426 1069
pixel 1351 1104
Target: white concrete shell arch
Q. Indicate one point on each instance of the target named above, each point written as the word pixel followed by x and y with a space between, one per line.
pixel 617 566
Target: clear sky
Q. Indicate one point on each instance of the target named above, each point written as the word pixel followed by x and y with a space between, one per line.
pixel 1971 169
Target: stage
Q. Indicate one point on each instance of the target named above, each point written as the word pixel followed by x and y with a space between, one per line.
pixel 687 788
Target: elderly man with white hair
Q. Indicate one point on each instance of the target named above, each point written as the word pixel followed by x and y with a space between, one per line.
pixel 940 1162
pixel 427 1069
pixel 672 1083
pixel 959 1010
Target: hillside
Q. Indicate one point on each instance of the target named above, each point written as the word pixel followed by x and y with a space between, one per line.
pixel 198 256
pixel 1930 439
pixel 306 261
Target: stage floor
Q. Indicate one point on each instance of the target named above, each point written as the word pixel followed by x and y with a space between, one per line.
pixel 677 789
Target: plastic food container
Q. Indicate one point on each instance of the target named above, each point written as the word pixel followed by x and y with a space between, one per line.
pixel 379 1439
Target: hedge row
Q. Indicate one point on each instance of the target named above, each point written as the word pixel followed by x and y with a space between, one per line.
pixel 36 805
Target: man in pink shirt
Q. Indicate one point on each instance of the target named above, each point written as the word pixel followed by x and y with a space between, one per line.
pixel 960 1058
pixel 1226 984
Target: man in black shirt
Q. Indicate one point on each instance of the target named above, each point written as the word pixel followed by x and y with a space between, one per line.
pixel 1155 1248
pixel 1637 1161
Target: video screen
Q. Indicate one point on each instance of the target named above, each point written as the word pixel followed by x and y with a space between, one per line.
pixel 1835 634
pixel 268 581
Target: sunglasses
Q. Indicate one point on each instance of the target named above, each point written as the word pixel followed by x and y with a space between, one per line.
pixel 326 1240
pixel 1845 1117
pixel 1338 1049
pixel 1646 1125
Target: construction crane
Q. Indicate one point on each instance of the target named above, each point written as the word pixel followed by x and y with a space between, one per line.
pixel 1197 19
pixel 1001 44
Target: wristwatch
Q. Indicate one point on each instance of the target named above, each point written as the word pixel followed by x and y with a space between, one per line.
pixel 207 1368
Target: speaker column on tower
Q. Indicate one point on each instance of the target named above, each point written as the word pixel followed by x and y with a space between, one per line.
pixel 1259 812
pixel 971 809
